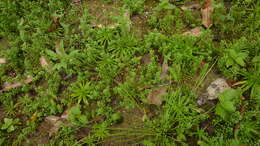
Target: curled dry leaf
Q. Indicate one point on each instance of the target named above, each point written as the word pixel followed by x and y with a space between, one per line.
pixel 8 86
pixel 192 6
pixel 3 61
pixel 193 32
pixel 155 96
pixel 44 63
pixel 206 12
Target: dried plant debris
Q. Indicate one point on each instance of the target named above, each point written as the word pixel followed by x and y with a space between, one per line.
pixel 165 71
pixel 9 86
pixel 155 96
pixel 191 6
pixel 3 61
pixel 193 32
pixel 206 13
pixel 44 63
pixel 76 2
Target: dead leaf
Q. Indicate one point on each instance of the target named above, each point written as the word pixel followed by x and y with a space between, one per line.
pixel 28 80
pixel 146 59
pixel 44 63
pixel 206 12
pixel 3 61
pixel 165 70
pixel 127 18
pixel 193 32
pixel 54 123
pixel 8 86
pixel 55 24
pixel 155 96
pixel 58 49
pixel 76 2
pixel 192 6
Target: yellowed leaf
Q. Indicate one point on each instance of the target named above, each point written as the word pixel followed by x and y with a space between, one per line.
pixel 206 12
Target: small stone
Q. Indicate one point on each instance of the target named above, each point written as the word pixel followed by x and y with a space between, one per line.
pixel 216 87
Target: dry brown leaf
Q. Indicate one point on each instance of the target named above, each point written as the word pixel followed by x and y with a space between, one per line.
pixel 28 80
pixel 206 12
pixel 55 24
pixel 165 71
pixel 193 32
pixel 58 49
pixel 8 86
pixel 192 6
pixel 76 2
pixel 3 61
pixel 54 123
pixel 155 96
pixel 44 63
pixel 146 59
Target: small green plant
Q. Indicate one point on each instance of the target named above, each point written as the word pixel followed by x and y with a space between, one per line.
pixel 9 124
pixel 228 101
pixel 62 59
pixel 82 92
pixel 76 117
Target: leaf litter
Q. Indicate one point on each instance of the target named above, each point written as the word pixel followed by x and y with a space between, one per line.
pixel 206 13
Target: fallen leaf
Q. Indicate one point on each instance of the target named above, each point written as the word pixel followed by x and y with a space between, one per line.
pixel 58 47
pixel 192 6
pixel 128 20
pixel 8 86
pixel 55 24
pixel 155 96
pixel 165 71
pixel 28 80
pixel 193 32
pixel 54 123
pixel 146 59
pixel 206 12
pixel 44 63
pixel 76 2
pixel 3 61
